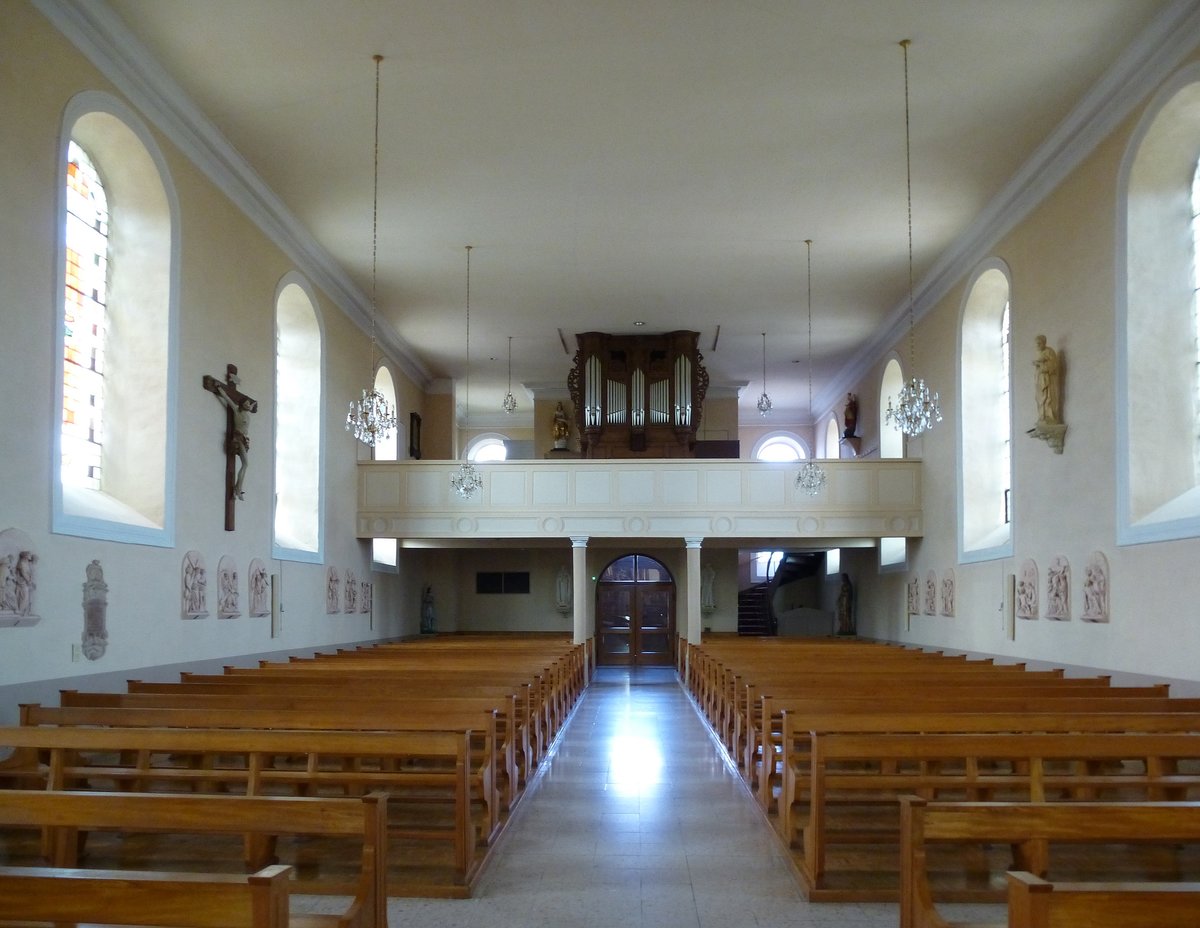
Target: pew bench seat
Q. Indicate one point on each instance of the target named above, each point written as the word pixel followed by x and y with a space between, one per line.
pixel 47 896
pixel 1131 845
pixel 1037 903
pixel 855 780
pixel 426 773
pixel 66 818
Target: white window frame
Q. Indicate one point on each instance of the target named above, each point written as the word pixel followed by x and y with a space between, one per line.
pixel 1178 516
pixel 981 502
pixel 85 512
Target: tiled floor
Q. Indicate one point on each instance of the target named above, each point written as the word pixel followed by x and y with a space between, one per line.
pixel 637 821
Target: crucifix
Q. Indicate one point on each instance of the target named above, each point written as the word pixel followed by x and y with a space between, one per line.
pixel 238 407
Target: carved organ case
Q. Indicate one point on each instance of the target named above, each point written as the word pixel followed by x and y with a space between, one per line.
pixel 638 395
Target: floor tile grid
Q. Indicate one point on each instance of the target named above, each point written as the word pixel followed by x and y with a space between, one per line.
pixel 637 818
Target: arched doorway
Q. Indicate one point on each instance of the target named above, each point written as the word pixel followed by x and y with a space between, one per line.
pixel 635 613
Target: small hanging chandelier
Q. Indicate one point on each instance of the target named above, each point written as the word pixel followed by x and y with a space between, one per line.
pixel 917 408
pixel 372 418
pixel 466 480
pixel 811 478
pixel 510 401
pixel 764 401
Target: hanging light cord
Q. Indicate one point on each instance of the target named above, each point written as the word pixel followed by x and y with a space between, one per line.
pixel 912 351
pixel 808 245
pixel 764 338
pixel 375 219
pixel 467 391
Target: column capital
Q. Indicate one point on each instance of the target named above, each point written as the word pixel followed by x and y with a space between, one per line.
pixel 579 541
pixel 693 542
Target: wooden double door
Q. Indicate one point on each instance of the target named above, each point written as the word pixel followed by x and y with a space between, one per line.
pixel 635 615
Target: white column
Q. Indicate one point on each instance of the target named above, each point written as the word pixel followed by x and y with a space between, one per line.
pixel 694 621
pixel 580 587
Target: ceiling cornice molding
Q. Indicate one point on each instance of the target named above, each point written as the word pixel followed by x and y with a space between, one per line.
pixel 1133 77
pixel 102 37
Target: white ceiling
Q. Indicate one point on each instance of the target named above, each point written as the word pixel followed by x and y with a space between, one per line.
pixel 614 161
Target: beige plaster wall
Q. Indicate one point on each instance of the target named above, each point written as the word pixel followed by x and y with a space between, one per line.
pixel 228 276
pixel 1063 286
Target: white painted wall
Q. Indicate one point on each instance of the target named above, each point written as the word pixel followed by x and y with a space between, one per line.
pixel 1064 285
pixel 228 279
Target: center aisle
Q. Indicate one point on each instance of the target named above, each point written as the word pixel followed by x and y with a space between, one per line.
pixel 637 821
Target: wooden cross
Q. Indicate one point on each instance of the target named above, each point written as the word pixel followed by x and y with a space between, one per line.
pixel 238 408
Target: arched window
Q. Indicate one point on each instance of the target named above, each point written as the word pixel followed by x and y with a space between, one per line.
pixel 891 439
pixel 115 348
pixel 299 387
pixel 779 446
pixel 833 439
pixel 1158 343
pixel 490 447
pixel 384 555
pixel 893 552
pixel 985 417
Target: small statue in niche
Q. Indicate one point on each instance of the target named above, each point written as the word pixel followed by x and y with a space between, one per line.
pixel 561 430
pixel 1047 392
pixel 428 618
pixel 1058 589
pixel 845 607
pixel 1046 382
pixel 1095 589
pixel 228 606
pixel 914 596
pixel 948 593
pixel 1027 591
pixel 564 597
pixel 850 416
pixel 366 596
pixel 18 579
pixel 931 593
pixel 95 611
pixel 708 599
pixel 195 586
pixel 351 595
pixel 260 589
pixel 333 598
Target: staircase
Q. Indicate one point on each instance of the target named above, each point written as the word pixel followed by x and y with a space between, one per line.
pixel 754 611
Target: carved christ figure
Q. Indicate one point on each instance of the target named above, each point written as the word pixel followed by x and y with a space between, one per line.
pixel 237 438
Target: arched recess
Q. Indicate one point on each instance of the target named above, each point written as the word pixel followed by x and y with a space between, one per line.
pixel 893 552
pixel 384 552
pixel 1158 334
pixel 130 495
pixel 299 422
pixel 985 416
pixel 489 446
pixel 780 446
pixel 833 438
pixel 635 612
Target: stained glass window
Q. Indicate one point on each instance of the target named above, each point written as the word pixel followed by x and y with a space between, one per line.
pixel 85 322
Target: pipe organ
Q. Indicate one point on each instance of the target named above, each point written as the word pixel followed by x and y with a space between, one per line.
pixel 638 395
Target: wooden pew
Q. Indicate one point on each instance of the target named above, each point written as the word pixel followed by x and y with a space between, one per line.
pixel 931 699
pixel 531 735
pixel 426 773
pixel 1037 903
pixel 552 696
pixel 854 781
pixel 131 897
pixel 490 757
pixel 799 729
pixel 66 817
pixel 546 717
pixel 1034 831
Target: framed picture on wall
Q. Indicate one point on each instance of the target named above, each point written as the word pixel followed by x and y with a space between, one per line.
pixel 414 436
